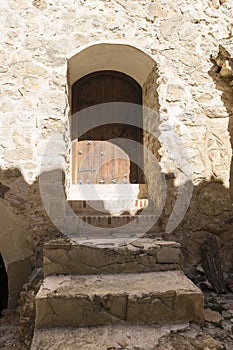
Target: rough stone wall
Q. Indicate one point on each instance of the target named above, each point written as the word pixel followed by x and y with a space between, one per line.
pixel 151 133
pixel 180 36
pixel 195 126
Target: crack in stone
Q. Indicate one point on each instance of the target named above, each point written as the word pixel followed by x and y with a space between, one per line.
pixel 153 298
pixel 172 308
pixel 99 302
pixel 48 313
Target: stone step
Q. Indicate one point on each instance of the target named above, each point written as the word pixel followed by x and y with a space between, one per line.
pixel 141 337
pixel 110 225
pixel 63 256
pixel 142 298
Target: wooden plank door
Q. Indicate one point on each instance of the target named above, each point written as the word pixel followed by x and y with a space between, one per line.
pixel 94 158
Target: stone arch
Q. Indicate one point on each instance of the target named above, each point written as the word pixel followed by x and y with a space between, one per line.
pixel 120 57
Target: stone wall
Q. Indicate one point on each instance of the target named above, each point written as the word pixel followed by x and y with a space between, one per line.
pixel 193 88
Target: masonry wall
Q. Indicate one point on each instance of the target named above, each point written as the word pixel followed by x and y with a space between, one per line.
pixel 191 46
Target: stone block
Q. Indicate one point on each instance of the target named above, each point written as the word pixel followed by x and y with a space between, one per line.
pixel 189 304
pixel 175 93
pixel 150 308
pixel 109 256
pixel 138 298
pixel 168 254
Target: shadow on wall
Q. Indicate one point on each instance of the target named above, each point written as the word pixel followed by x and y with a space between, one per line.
pixel 25 225
pixel 210 210
pixel 24 228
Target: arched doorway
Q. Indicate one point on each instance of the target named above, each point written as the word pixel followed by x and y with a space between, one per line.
pixel 134 69
pixel 94 159
pixel 3 286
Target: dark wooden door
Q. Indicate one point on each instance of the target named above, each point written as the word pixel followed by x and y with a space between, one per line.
pixel 109 163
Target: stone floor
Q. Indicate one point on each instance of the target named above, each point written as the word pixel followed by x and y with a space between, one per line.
pixel 217 333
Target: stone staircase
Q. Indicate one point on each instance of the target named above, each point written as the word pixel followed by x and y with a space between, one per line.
pixel 109 294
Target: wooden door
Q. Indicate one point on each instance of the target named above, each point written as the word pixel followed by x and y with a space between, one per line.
pixel 101 162
pixel 94 158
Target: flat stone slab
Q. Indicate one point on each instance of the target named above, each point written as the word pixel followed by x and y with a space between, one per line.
pixel 101 338
pixel 141 298
pixel 95 256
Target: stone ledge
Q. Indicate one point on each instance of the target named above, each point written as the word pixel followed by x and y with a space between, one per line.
pixel 110 256
pixel 140 298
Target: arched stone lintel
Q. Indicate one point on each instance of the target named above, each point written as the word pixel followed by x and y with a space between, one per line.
pixel 117 56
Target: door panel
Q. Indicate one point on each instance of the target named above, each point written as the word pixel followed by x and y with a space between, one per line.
pixel 101 162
